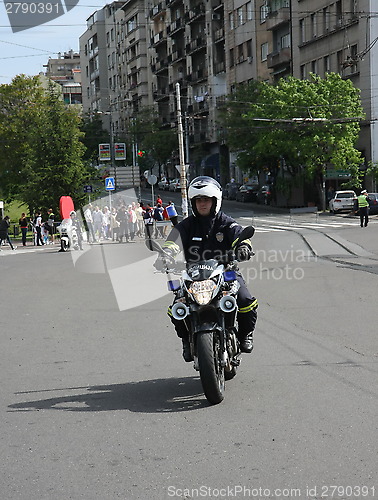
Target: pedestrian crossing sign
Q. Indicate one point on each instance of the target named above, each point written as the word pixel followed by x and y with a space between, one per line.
pixel 109 184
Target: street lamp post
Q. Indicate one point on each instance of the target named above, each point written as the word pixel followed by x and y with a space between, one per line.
pixel 184 195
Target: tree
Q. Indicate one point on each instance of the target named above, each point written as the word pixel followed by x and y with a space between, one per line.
pixel 40 148
pixel 311 124
pixel 157 142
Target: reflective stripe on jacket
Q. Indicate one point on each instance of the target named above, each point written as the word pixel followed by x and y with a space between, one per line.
pixel 362 201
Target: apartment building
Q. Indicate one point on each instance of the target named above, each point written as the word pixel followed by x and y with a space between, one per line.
pixel 134 53
pixel 65 70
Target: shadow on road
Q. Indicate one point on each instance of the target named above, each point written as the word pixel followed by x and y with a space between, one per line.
pixel 149 396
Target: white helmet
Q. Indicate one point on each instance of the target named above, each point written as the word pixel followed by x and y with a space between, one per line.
pixel 205 186
pixel 73 213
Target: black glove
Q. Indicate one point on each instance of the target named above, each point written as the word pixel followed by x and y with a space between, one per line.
pixel 163 262
pixel 243 252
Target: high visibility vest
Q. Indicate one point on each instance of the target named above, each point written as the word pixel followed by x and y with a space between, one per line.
pixel 362 201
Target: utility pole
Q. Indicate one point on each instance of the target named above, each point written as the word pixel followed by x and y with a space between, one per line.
pixel 184 195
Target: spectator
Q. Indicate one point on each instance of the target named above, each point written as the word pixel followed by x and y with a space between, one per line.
pixel 4 227
pixel 131 221
pixel 89 221
pixel 139 223
pixel 38 229
pixel 114 224
pixel 148 217
pixel 98 223
pixel 123 229
pixel 158 217
pixel 49 225
pixel 24 223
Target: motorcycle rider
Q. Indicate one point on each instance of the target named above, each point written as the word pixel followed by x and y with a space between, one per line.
pixel 206 234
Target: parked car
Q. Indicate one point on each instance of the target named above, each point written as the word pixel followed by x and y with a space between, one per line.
pixel 264 195
pixel 246 192
pixel 373 203
pixel 342 200
pixel 163 184
pixel 230 190
pixel 175 185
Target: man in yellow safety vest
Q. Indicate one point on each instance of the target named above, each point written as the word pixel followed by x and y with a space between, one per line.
pixel 363 207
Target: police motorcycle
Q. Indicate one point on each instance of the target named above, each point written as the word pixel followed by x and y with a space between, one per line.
pixel 69 234
pixel 205 299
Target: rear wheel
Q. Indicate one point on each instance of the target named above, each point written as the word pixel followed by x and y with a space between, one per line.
pixel 211 372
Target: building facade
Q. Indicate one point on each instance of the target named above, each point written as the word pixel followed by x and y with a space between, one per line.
pixel 134 53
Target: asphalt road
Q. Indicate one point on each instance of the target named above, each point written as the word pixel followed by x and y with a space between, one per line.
pixel 96 402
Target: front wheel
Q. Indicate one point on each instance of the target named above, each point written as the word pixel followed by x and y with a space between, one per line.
pixel 211 372
pixel 63 245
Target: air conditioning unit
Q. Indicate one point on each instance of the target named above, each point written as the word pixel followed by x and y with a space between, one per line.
pixel 216 17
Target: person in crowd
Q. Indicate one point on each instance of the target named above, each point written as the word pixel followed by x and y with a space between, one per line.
pixel 38 229
pixel 106 222
pixel 98 223
pixel 50 224
pixel 4 232
pixel 148 218
pixel 123 227
pixel 158 217
pixel 139 223
pixel 24 224
pixel 131 221
pixel 89 221
pixel 114 224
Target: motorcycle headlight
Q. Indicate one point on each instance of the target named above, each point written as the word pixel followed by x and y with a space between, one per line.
pixel 202 291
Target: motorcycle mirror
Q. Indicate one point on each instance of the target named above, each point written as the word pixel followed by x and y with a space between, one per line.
pixel 247 233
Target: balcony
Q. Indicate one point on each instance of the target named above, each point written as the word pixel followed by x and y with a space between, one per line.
pixel 219 35
pixel 177 55
pixel 219 67
pixel 283 57
pixel 157 9
pixel 175 27
pixel 157 39
pixel 195 13
pixel 195 45
pixel 277 17
pixel 160 65
pixel 161 94
pixel 198 75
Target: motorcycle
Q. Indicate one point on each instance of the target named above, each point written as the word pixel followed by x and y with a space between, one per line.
pixel 69 237
pixel 205 299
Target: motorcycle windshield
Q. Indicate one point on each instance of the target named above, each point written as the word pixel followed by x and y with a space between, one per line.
pixel 202 270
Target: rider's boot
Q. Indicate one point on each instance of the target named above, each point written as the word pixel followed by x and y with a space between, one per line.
pixel 246 342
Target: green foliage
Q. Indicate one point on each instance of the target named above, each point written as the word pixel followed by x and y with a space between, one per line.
pixel 40 145
pixel 310 123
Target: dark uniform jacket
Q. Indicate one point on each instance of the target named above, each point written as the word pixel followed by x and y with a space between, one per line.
pixel 203 238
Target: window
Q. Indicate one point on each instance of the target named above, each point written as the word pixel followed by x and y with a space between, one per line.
pixel 240 53
pixel 232 57
pixel 285 41
pixel 239 15
pixel 326 23
pixel 302 33
pixel 264 51
pixel 249 48
pixel 326 64
pixel 303 71
pixel 231 20
pixel 264 11
pixel 313 25
pixel 249 11
pixel 314 66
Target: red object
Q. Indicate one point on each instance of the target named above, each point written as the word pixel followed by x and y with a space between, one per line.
pixel 66 205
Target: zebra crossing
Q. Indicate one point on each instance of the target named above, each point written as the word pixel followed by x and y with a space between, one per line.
pixel 269 224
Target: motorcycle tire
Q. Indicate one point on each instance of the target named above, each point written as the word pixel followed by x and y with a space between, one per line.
pixel 63 246
pixel 211 372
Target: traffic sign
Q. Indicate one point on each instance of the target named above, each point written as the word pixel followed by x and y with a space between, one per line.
pixel 109 184
pixel 88 189
pixel 152 179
